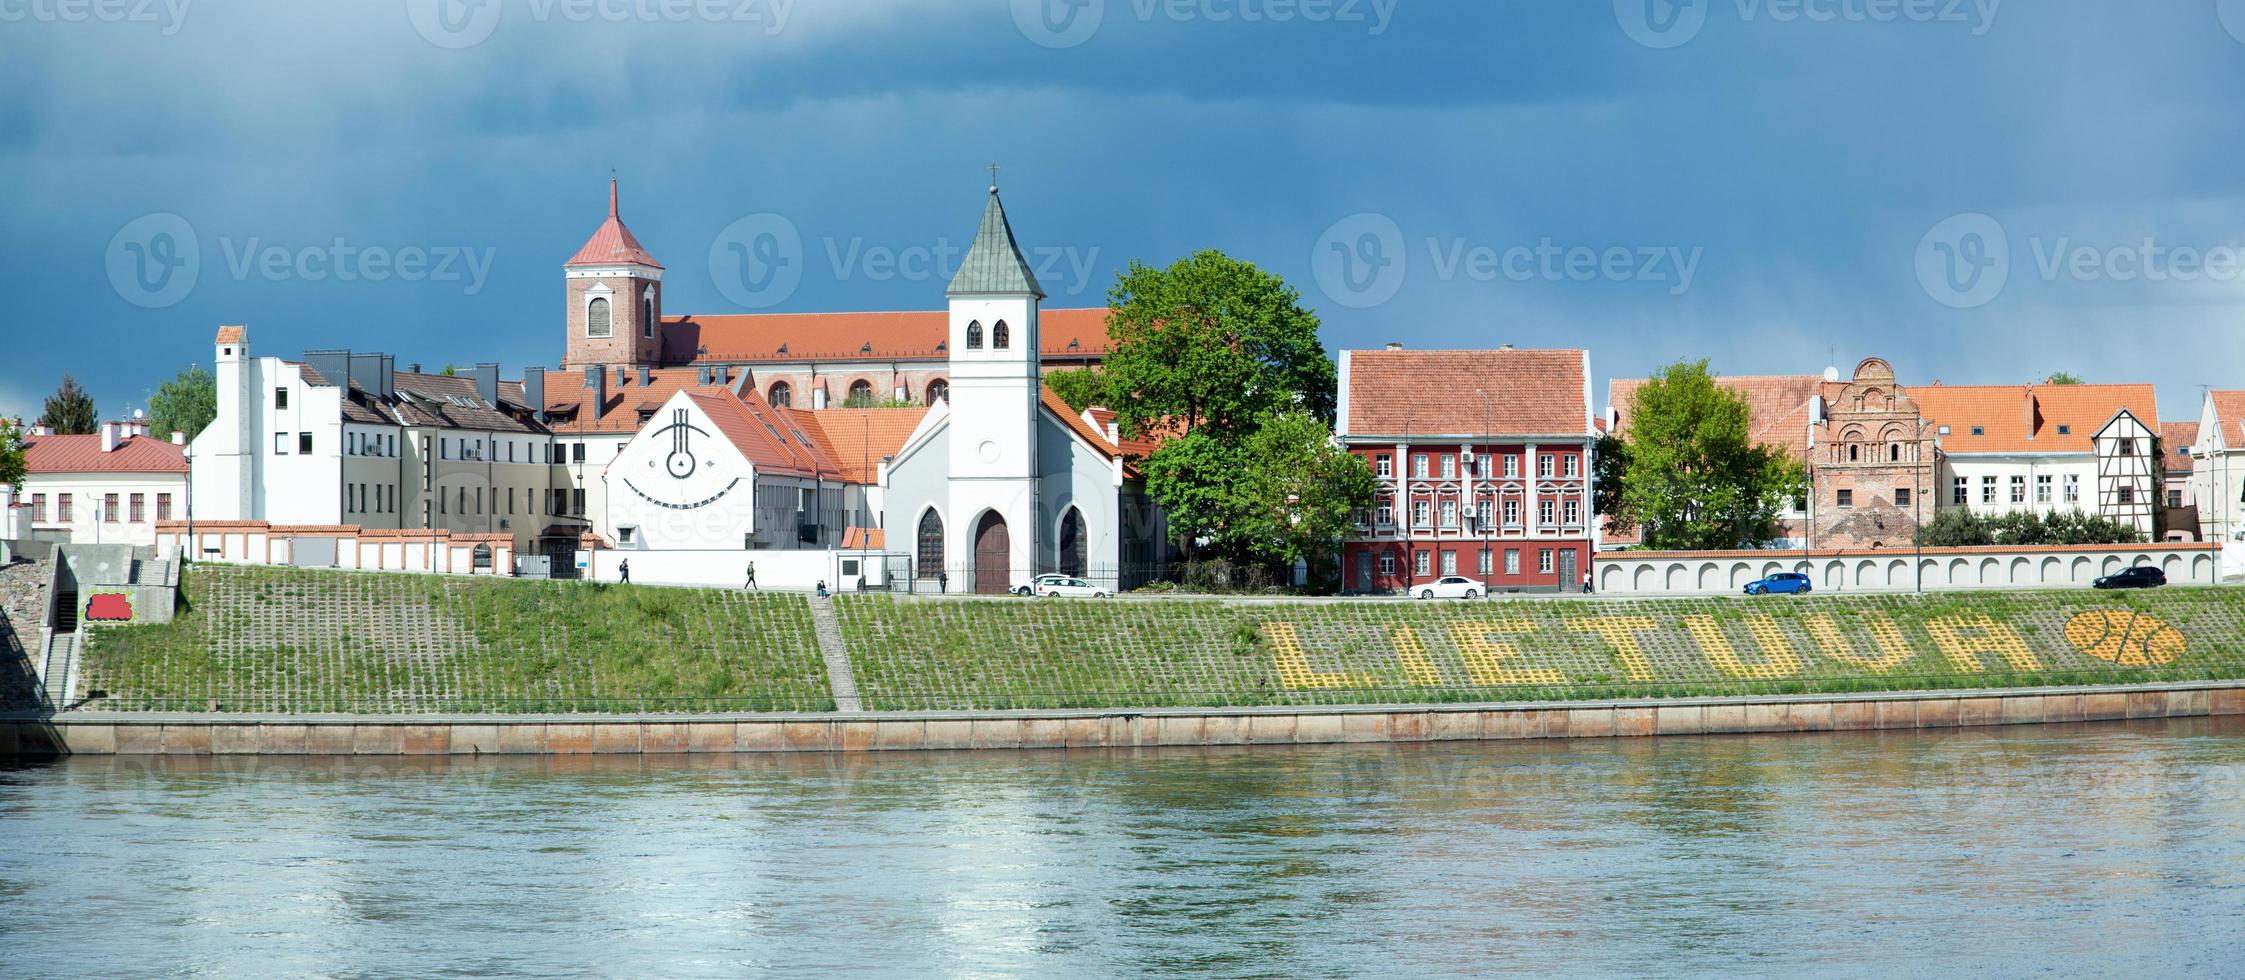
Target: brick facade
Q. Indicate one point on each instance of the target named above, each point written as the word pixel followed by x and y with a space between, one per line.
pixel 1871 464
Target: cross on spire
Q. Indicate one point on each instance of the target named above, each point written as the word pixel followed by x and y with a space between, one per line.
pixel 993 178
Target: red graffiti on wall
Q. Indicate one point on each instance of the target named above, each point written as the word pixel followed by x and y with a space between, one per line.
pixel 110 608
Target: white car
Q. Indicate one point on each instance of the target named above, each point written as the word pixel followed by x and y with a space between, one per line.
pixel 1054 586
pixel 1450 587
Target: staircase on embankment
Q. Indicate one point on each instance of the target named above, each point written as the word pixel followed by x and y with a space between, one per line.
pixel 838 674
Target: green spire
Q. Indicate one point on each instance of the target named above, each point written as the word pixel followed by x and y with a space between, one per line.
pixel 994 265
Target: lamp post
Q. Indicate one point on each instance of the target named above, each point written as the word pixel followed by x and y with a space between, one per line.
pixel 1917 501
pixel 1487 568
pixel 1403 520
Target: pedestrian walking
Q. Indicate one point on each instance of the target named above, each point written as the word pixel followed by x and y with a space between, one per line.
pixel 751 578
pixel 1586 583
pixel 942 582
pixel 623 570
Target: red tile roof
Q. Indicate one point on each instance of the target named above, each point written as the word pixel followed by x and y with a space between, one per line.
pixel 1531 392
pixel 566 394
pixel 2026 418
pixel 772 441
pixel 2176 438
pixel 1777 406
pixel 613 243
pixel 2229 410
pixel 767 337
pixel 229 335
pixel 858 439
pixel 864 539
pixel 82 454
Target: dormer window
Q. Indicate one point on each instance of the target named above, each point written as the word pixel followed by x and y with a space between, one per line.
pixel 974 335
pixel 2065 430
pixel 999 339
pixel 1979 430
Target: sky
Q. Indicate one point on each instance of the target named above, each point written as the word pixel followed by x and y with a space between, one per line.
pixel 1980 191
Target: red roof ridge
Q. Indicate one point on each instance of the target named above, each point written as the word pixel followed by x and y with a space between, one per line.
pixel 613 243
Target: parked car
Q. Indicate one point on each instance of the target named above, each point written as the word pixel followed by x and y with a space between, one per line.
pixel 1056 586
pixel 1782 583
pixel 1451 587
pixel 2139 577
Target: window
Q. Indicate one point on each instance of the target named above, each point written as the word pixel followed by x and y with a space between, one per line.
pixel 1000 337
pixel 1959 494
pixel 1543 465
pixel 2018 489
pixel 109 508
pixel 1543 513
pixel 2042 488
pixel 1449 563
pixel 280 443
pixel 139 508
pixel 1450 515
pixel 1419 513
pixel 1847 499
pixel 63 503
pixel 2127 493
pixel 1481 513
pixel 647 313
pixel 1574 466
pixel 782 395
pixel 861 394
pixel 1512 466
pixel 38 508
pixel 1894 453
pixel 1574 513
pixel 577 502
pixel 1902 496
pixel 1512 561
pixel 599 321
pixel 1854 452
pixel 510 501
pixel 1449 466
pixel 939 390
pixel 1979 430
pixel 304 443
pixel 1483 466
pixel 351 444
pixel 1419 465
pixel 1512 513
pixel 1485 559
pixel 280 398
pixel 1422 562
pixel 2073 488
pixel 1387 566
pixel 2174 498
pixel 1383 465
pixel 2065 430
pixel 1543 561
pixel 576 452
pixel 1386 515
pixel 2128 447
pixel 974 335
pixel 1987 490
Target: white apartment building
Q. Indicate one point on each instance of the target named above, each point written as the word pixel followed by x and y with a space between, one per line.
pixel 2047 449
pixel 2218 470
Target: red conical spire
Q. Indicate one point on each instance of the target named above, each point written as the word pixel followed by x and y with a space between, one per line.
pixel 613 244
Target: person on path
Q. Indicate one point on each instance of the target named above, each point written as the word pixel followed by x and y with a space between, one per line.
pixel 623 570
pixel 822 588
pixel 942 582
pixel 751 577
pixel 1586 583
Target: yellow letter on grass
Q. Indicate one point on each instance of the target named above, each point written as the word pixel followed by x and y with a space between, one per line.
pixel 1293 664
pixel 1892 651
pixel 1620 632
pixel 1484 658
pixel 1779 660
pixel 1965 637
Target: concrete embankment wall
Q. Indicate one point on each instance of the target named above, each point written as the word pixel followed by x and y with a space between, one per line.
pixel 218 734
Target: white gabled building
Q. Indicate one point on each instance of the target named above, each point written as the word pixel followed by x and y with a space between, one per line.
pixel 2047 449
pixel 2217 480
pixel 108 487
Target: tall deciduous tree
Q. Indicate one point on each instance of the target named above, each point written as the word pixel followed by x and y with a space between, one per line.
pixel 11 451
pixel 1694 478
pixel 186 403
pixel 70 410
pixel 1301 491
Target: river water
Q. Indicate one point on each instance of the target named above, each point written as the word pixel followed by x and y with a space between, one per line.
pixel 2101 849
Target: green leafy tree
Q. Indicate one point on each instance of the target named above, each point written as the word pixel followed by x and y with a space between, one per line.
pixel 1609 473
pixel 2062 378
pixel 1956 529
pixel 1301 492
pixel 186 403
pixel 1963 529
pixel 1081 388
pixel 1693 478
pixel 70 410
pixel 11 451
pixel 1196 478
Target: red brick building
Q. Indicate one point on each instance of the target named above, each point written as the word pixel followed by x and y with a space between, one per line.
pixel 1484 459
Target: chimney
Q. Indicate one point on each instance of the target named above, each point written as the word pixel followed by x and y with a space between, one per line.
pixel 534 391
pixel 179 438
pixel 333 366
pixel 2030 413
pixel 623 375
pixel 1504 346
pixel 701 376
pixel 1395 345
pixel 597 380
pixel 487 383
pixel 389 377
pixel 413 368
pixel 643 375
pixel 109 437
pixel 1114 433
pixel 42 429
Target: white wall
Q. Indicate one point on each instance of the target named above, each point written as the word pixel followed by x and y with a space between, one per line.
pixel 88 491
pixel 2081 467
pixel 728 569
pixel 1892 570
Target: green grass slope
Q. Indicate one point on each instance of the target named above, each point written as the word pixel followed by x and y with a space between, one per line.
pixel 290 640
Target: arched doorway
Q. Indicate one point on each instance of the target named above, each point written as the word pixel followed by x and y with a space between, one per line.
pixel 931 543
pixel 993 555
pixel 1072 543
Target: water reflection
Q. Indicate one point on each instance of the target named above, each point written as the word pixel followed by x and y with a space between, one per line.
pixel 2108 847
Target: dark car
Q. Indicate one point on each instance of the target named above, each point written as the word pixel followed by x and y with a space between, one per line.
pixel 1782 583
pixel 2139 577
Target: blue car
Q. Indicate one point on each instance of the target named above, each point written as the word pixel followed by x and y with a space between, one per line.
pixel 1782 583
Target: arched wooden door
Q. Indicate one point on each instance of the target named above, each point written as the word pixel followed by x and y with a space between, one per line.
pixel 993 556
pixel 1072 543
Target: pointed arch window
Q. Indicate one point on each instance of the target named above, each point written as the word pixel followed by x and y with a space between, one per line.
pixel 782 396
pixel 861 394
pixel 974 335
pixel 1072 543
pixel 1000 338
pixel 599 320
pixel 931 543
pixel 647 313
pixel 939 390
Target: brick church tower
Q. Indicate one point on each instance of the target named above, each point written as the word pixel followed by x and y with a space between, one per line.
pixel 615 294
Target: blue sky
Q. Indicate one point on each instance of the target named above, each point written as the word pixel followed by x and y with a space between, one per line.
pixel 1441 174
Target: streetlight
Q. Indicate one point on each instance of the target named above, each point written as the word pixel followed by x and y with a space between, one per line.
pixel 1403 521
pixel 1917 501
pixel 1487 567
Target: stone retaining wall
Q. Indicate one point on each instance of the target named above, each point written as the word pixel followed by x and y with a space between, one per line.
pixel 182 734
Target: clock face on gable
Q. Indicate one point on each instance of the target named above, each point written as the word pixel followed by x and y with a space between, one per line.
pixel 683 467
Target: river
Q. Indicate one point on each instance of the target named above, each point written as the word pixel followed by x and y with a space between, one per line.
pixel 2106 849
